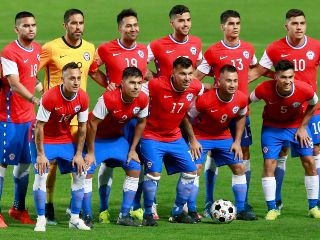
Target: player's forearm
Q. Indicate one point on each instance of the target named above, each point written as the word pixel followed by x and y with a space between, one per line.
pixel 256 72
pixel 138 132
pixel 21 90
pixel 187 127
pixel 82 130
pixel 39 135
pixel 307 115
pixel 149 75
pixel 198 75
pixel 91 134
pixel 240 125
pixel 99 78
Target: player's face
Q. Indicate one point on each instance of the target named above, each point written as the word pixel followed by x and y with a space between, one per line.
pixel 131 87
pixel 228 82
pixel 296 27
pixel 129 28
pixel 181 23
pixel 71 79
pixel 231 28
pixel 26 28
pixel 75 26
pixel 284 81
pixel 182 77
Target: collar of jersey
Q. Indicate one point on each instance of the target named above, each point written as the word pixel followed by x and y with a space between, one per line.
pixel 122 46
pixel 293 88
pixel 178 42
pixel 70 46
pixel 67 99
pixel 299 46
pixel 231 47
pixel 221 99
pixel 22 47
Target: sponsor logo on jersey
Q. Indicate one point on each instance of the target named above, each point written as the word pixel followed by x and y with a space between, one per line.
pixel 285 55
pixel 136 110
pixel 77 108
pixel 25 61
pixel 265 149
pixel 189 97
pixel 140 53
pixel 115 54
pixel 235 109
pixel 169 51
pixel 38 57
pixel 86 56
pixel 310 55
pixel 296 104
pixel 223 57
pixel 246 54
pixel 193 50
pixel 12 156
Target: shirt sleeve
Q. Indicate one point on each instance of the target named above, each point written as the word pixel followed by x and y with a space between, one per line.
pixel 265 61
pixel 9 67
pixel 243 111
pixel 253 97
pixel 43 114
pixel 314 100
pixel 200 56
pixel 83 116
pixel 145 88
pixel 204 66
pixel 100 110
pixel 150 54
pixel 201 90
pixel 144 112
pixel 254 60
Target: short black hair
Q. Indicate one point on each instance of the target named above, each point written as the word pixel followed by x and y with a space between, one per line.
pixel 178 9
pixel 294 13
pixel 284 65
pixel 227 14
pixel 228 68
pixel 68 13
pixel 70 65
pixel 22 14
pixel 126 13
pixel 182 62
pixel 131 72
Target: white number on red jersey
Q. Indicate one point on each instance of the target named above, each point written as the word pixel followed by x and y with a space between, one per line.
pixel 179 106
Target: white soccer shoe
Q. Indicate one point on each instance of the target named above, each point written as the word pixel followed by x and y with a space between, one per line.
pixel 78 224
pixel 41 224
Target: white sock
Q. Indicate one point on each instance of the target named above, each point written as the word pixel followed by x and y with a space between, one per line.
pixel 269 188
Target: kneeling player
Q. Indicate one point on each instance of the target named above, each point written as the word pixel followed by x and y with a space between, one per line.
pixel 285 119
pixel 213 113
pixel 53 140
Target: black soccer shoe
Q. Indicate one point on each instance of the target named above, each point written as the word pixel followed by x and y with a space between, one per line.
pixel 128 221
pixel 195 216
pixel 182 218
pixel 149 221
pixel 88 221
pixel 246 216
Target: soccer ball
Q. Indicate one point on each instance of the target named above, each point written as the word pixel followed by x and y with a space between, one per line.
pixel 223 211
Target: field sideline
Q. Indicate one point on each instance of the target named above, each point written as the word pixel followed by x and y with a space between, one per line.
pixel 262 22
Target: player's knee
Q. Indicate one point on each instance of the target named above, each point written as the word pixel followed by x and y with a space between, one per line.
pixel 269 167
pixel 130 184
pixel 237 169
pixel 284 152
pixel 152 177
pixel 78 181
pixel 199 169
pixel 40 182
pixel 3 165
pixel 21 170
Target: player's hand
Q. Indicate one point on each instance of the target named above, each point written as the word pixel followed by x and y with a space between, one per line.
pixel 37 101
pixel 236 148
pixel 133 155
pixel 42 164
pixel 195 148
pixel 79 162
pixel 111 86
pixel 303 137
pixel 89 160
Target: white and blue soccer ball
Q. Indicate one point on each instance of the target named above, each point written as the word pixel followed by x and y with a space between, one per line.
pixel 223 211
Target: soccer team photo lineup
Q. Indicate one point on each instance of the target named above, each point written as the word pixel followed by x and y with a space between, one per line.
pixel 168 106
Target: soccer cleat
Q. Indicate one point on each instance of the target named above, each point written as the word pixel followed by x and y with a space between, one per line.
pixel 137 214
pixel 279 205
pixel 314 212
pixel 195 216
pixel 40 225
pixel 2 222
pixel 207 210
pixel 272 215
pixel 104 216
pixel 78 224
pixel 49 213
pixel 22 216
pixel 68 211
pixel 88 221
pixel 127 221
pixel 246 216
pixel 155 212
pixel 182 218
pixel 148 220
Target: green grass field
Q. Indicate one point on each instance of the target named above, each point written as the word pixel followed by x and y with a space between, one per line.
pixel 262 23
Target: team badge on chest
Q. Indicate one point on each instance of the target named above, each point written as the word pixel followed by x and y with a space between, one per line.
pixel 141 54
pixel 235 109
pixel 86 56
pixel 296 104
pixel 193 50
pixel 77 108
pixel 189 97
pixel 310 55
pixel 246 54
pixel 136 110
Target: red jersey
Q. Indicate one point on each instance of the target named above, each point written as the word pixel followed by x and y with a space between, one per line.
pixel 168 107
pixel 241 56
pixel 213 115
pixel 166 50
pixel 58 111
pixel 116 113
pixel 17 60
pixel 283 111
pixel 116 58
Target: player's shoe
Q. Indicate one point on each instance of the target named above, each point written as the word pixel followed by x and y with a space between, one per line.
pixel 272 215
pixel 314 212
pixel 155 211
pixel 127 221
pixel 22 216
pixel 137 214
pixel 246 216
pixel 207 210
pixel 195 216
pixel 182 218
pixel 78 223
pixel 88 221
pixel 40 225
pixel 148 220
pixel 279 205
pixel 49 213
pixel 2 222
pixel 104 216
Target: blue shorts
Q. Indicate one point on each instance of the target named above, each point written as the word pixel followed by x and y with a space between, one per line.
pixel 246 139
pixel 129 129
pixel 14 144
pixel 314 126
pixel 272 140
pixel 113 152
pixel 62 153
pixel 220 151
pixel 178 156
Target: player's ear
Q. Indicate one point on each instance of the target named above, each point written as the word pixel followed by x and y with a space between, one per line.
pixel 222 27
pixel 286 26
pixel 16 29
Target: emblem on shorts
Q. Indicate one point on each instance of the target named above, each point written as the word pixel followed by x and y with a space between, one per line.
pixel 193 50
pixel 149 164
pixel 141 54
pixel 136 110
pixel 296 104
pixel 38 57
pixel 189 97
pixel 246 54
pixel 235 109
pixel 12 156
pixel 86 56
pixel 77 108
pixel 265 149
pixel 310 55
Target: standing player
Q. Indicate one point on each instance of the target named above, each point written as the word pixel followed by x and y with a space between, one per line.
pixel 53 141
pixel 116 55
pixel 304 52
pixel 55 54
pixel 240 54
pixel 213 113
pixel 20 62
pixel 286 119
pixel 170 100
pixel 105 139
